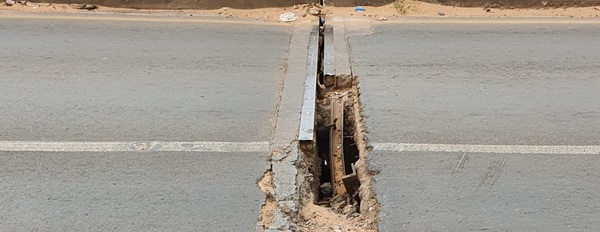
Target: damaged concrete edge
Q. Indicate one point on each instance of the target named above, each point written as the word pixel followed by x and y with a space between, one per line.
pixel 289 181
pixel 280 209
pixel 365 168
pixel 368 169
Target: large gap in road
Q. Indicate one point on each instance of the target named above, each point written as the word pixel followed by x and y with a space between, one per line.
pixel 334 185
pixel 349 203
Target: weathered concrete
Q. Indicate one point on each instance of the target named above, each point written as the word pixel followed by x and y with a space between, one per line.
pixel 285 151
pixel 340 46
pixel 128 191
pixel 101 80
pixel 425 191
pixel 486 82
pixel 504 84
pixel 72 79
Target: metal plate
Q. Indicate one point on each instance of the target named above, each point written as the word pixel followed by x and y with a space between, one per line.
pixel 328 62
pixel 307 119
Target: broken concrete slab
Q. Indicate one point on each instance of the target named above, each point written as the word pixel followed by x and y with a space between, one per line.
pixel 285 147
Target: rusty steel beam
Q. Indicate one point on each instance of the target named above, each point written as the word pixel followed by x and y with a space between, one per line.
pixel 336 142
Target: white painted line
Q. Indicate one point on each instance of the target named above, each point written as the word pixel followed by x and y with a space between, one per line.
pixel 501 149
pixel 84 146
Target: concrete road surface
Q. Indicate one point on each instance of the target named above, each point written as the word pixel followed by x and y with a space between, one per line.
pixel 78 91
pixel 447 103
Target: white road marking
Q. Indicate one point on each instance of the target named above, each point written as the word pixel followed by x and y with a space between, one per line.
pixel 501 149
pixel 88 146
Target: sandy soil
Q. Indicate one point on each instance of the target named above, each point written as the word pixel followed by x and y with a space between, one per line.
pixel 266 210
pixel 410 8
pixel 318 218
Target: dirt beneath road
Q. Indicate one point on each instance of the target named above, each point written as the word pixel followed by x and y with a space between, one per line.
pixel 302 12
pixel 356 208
pixel 266 210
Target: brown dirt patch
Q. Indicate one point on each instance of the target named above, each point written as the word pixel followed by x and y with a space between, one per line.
pixel 266 182
pixel 266 212
pixel 416 9
pixel 319 218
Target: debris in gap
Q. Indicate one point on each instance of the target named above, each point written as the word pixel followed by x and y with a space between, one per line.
pixel 9 2
pixel 288 17
pixel 351 182
pixel 323 208
pixel 441 13
pixel 350 209
pixel 338 203
pixel 326 190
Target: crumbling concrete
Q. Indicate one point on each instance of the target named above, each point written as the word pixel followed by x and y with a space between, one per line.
pixel 285 153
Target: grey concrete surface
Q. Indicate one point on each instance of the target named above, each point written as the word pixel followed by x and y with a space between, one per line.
pixel 421 191
pixel 484 83
pixel 113 80
pixel 128 191
pixel 481 83
pixel 285 152
pixel 135 80
pixel 173 191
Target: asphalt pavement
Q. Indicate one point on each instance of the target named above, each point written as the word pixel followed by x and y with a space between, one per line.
pixel 134 79
pixel 110 123
pixel 482 85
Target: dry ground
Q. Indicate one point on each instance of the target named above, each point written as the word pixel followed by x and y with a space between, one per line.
pixel 407 8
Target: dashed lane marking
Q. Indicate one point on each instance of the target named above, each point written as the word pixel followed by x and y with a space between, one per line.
pixel 499 149
pixel 154 146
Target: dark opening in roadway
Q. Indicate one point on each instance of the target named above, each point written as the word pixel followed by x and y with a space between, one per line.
pixel 337 193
